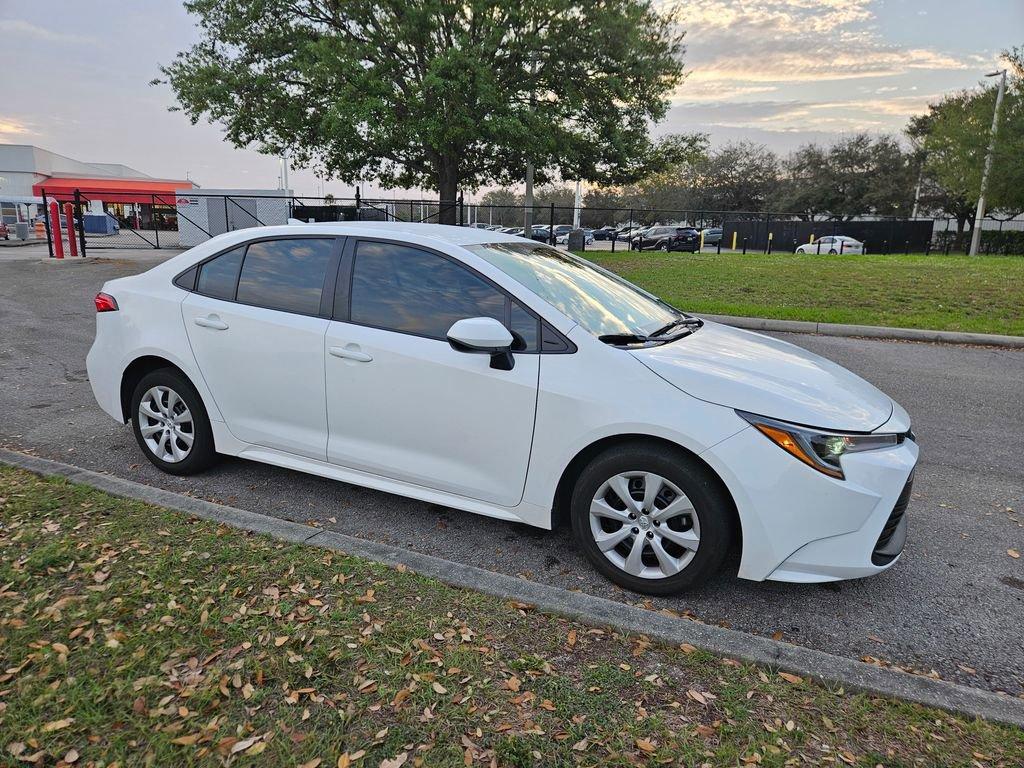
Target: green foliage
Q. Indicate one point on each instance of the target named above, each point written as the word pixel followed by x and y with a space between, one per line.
pixel 433 93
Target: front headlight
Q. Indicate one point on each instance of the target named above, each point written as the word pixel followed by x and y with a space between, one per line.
pixel 819 448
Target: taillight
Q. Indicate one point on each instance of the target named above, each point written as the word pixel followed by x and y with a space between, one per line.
pixel 105 303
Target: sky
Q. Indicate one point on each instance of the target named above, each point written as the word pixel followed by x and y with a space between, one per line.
pixel 779 72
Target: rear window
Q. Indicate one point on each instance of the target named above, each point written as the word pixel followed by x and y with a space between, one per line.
pixel 219 276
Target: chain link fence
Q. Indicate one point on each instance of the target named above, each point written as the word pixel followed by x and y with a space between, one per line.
pixel 193 216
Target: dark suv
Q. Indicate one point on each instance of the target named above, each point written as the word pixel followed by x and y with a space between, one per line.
pixel 666 239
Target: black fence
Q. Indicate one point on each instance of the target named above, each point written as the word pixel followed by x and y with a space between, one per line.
pixel 182 220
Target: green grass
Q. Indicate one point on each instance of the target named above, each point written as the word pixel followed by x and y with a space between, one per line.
pixel 983 294
pixel 130 635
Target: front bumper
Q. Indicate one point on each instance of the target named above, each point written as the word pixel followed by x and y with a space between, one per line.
pixel 800 525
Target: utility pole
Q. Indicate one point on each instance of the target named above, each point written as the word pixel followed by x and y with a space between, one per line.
pixel 577 204
pixel 528 198
pixel 284 170
pixel 979 215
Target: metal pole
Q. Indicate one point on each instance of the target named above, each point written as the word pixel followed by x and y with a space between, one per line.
pixel 551 226
pixel 46 218
pixel 577 204
pixel 156 222
pixel 81 219
pixel 979 214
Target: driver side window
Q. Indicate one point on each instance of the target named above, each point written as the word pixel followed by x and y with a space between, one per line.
pixel 405 289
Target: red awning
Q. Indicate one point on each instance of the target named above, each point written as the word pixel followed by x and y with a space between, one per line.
pixel 159 191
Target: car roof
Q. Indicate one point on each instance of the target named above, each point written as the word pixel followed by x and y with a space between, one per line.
pixel 440 233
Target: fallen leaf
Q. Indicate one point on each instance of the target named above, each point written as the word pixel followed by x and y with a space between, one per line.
pixel 646 746
pixel 697 696
pixel 311 763
pixel 396 762
pixel 1013 553
pixel 438 688
pixel 790 678
pixel 56 725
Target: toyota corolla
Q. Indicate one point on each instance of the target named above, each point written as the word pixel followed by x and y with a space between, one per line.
pixel 500 376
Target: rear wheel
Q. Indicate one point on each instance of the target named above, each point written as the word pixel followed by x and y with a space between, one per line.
pixel 833 252
pixel 663 247
pixel 651 519
pixel 170 423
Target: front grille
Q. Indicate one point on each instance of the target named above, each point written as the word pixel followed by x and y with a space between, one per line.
pixel 883 553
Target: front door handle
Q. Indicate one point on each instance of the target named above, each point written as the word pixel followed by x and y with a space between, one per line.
pixel 213 322
pixel 351 352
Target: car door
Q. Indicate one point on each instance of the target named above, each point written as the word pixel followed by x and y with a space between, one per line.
pixel 256 321
pixel 401 402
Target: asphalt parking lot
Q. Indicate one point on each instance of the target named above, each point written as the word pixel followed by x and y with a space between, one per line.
pixel 953 604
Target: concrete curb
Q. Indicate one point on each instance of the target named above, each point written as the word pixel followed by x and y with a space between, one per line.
pixel 868 331
pixel 593 610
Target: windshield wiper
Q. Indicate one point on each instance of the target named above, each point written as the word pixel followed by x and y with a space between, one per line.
pixel 689 322
pixel 623 338
pixel 617 339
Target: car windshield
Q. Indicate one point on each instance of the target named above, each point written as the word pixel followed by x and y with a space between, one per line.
pixel 603 303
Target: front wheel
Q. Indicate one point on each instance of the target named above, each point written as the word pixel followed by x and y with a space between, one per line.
pixel 170 423
pixel 663 248
pixel 651 519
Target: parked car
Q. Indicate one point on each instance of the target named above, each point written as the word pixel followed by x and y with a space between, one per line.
pixel 541 233
pixel 604 233
pixel 712 235
pixel 494 375
pixel 512 231
pixel 832 244
pixel 4 232
pixel 666 239
pixel 588 238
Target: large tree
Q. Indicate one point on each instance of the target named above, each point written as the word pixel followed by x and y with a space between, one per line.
pixel 858 175
pixel 953 137
pixel 439 94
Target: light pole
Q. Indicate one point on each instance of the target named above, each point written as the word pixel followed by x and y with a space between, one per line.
pixel 577 205
pixel 979 215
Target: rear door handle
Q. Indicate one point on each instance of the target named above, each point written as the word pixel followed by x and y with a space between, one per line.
pixel 351 352
pixel 213 322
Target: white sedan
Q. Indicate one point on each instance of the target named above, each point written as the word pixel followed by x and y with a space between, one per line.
pixel 500 376
pixel 832 244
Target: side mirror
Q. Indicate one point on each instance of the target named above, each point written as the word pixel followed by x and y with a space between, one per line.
pixel 485 336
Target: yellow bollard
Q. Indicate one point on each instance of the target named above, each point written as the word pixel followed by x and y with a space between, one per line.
pixel 701 246
pixel 811 240
pixel 734 239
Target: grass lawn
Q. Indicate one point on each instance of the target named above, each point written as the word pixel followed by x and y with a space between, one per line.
pixel 130 635
pixel 983 294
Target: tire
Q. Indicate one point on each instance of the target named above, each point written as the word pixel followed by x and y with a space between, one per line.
pixel 833 252
pixel 157 396
pixel 703 510
pixel 664 248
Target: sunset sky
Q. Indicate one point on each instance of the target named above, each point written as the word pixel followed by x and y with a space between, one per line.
pixel 781 72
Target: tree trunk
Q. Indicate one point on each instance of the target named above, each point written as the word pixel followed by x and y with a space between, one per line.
pixel 448 188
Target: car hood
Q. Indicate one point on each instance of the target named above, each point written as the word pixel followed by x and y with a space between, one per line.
pixel 762 375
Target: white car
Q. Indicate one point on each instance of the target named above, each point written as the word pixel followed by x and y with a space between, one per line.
pixel 500 376
pixel 588 238
pixel 832 244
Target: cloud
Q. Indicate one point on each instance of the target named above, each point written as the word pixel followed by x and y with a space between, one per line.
pixel 878 115
pixel 13 129
pixel 750 43
pixel 21 28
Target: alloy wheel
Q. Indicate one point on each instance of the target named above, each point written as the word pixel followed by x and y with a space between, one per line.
pixel 166 425
pixel 644 525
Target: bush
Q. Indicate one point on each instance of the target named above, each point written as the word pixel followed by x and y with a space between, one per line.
pixel 1009 241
